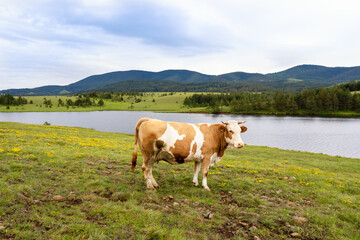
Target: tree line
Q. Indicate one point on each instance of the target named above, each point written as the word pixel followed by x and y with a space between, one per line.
pixel 313 101
pixel 82 100
pixel 352 86
pixel 8 99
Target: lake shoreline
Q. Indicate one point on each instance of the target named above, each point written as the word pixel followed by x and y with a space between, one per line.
pixel 279 114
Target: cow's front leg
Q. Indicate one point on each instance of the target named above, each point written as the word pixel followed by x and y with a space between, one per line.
pixel 196 174
pixel 205 170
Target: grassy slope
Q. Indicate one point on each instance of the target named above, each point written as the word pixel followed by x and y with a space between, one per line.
pixel 102 199
pixel 169 103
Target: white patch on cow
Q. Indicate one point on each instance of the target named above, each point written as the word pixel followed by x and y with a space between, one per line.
pixel 170 137
pixel 199 140
pixel 204 182
pixel 196 173
pixel 214 159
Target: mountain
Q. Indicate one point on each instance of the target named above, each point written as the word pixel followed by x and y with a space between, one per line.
pixel 315 73
pixel 295 78
pixel 96 81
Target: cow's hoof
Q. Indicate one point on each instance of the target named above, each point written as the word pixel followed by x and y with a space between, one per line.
pixel 149 185
pixel 195 184
pixel 207 188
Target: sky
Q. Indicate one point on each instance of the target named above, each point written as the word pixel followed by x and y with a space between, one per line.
pixel 45 42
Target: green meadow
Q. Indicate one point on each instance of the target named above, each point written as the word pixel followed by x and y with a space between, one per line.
pixel 74 183
pixel 158 102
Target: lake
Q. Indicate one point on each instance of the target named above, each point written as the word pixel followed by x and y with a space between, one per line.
pixel 332 136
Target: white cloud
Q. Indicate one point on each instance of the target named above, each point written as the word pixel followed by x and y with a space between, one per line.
pixel 60 42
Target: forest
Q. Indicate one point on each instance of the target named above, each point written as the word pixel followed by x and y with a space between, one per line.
pixel 310 101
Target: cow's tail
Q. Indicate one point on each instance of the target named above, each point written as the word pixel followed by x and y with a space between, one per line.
pixel 134 157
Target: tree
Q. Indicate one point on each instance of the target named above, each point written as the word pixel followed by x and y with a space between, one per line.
pixel 69 102
pixel 324 99
pixel 215 108
pixel 7 99
pixel 47 103
pixel 292 104
pixel 280 101
pixel 100 103
pixel 60 102
pixel 356 102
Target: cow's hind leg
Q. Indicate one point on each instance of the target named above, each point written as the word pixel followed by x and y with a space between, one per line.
pixel 196 174
pixel 205 170
pixel 151 177
pixel 147 169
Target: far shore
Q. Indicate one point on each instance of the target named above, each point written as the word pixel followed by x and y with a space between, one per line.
pixel 154 102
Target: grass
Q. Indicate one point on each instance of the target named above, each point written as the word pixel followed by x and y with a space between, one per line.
pixel 74 183
pixel 163 102
pixel 293 80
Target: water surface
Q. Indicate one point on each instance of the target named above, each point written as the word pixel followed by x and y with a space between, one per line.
pixel 332 136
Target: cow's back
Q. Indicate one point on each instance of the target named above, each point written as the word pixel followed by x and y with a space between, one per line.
pixel 181 139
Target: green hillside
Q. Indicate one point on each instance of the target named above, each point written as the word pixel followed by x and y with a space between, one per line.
pixel 307 76
pixel 321 74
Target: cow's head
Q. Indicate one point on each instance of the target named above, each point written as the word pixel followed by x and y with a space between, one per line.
pixel 232 133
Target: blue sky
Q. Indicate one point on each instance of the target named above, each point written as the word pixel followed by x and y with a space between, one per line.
pixel 44 42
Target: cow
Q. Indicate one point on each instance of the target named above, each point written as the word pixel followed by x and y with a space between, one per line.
pixel 178 143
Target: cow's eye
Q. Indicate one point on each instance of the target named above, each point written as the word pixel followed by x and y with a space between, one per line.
pixel 231 131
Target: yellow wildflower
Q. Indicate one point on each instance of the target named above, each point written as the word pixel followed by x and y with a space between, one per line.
pixel 16 150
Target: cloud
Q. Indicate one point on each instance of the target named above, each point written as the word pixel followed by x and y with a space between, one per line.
pixel 44 42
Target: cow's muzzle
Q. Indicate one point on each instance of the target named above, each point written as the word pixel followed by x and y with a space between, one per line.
pixel 240 145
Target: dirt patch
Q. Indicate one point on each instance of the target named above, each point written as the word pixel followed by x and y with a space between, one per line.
pixel 74 201
pixel 227 198
pixel 231 228
pixel 107 193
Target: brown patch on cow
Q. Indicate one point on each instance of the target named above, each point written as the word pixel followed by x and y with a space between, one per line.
pixel 228 134
pixel 149 131
pixel 214 139
pixel 222 128
pixel 182 147
pixel 159 144
pixel 193 151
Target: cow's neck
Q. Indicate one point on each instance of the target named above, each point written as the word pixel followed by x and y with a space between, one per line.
pixel 222 145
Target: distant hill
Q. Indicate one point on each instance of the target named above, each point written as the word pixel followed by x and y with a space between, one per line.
pixel 321 74
pixel 296 78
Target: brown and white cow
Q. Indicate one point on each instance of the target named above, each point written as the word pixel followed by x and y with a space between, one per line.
pixel 176 143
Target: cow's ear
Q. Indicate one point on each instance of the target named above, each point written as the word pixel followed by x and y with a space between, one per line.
pixel 243 129
pixel 222 128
